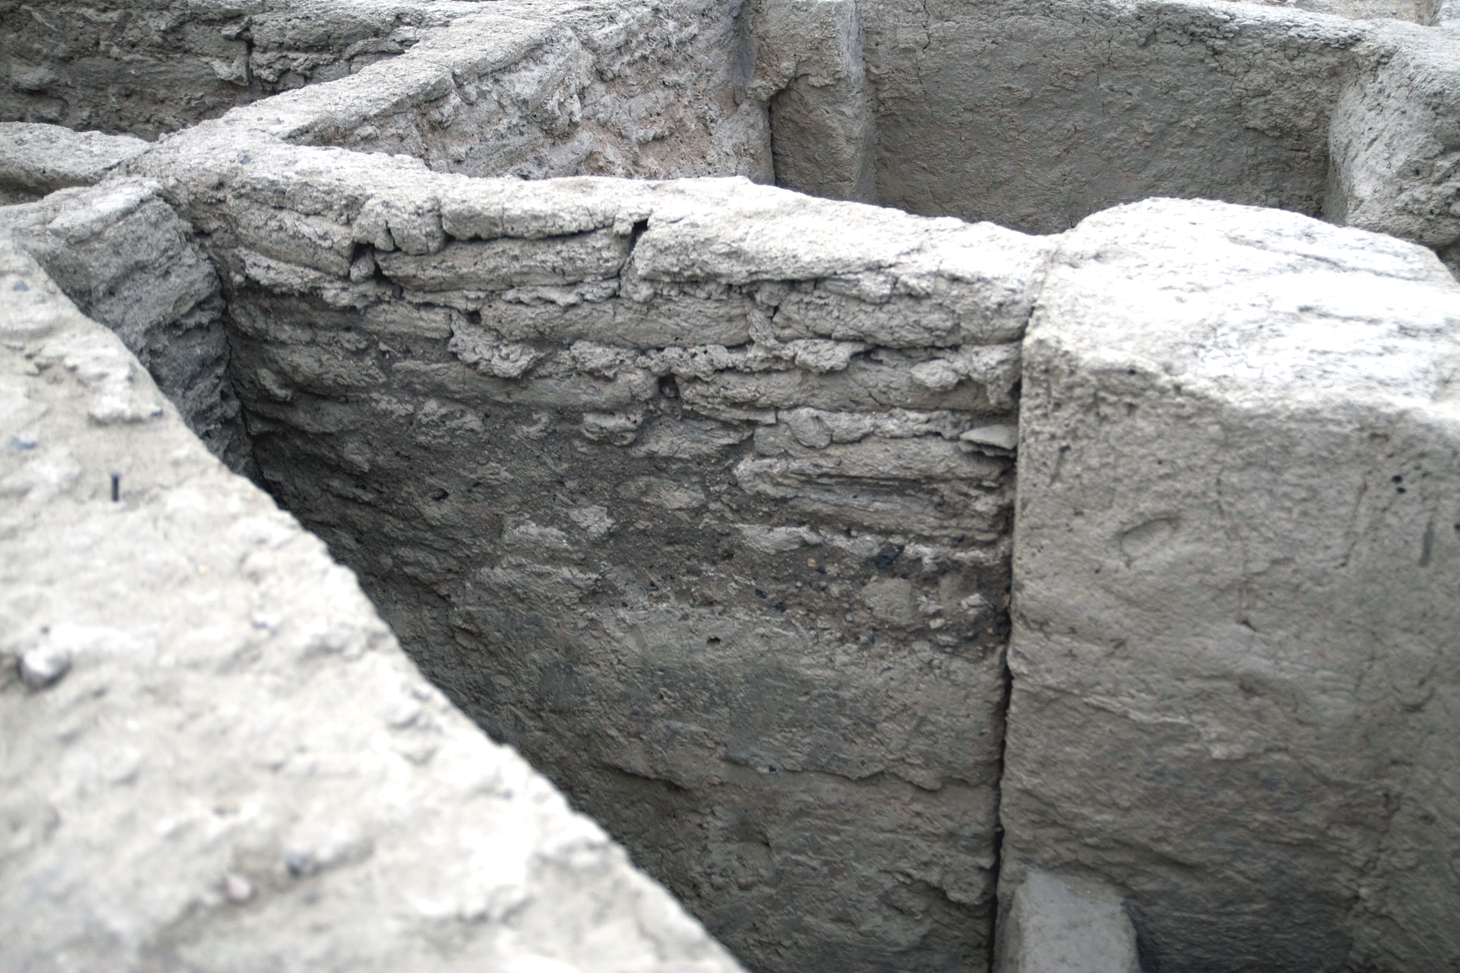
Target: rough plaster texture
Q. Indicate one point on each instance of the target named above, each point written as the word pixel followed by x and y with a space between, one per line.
pixel 810 71
pixel 1415 11
pixel 538 90
pixel 696 492
pixel 1036 114
pixel 1064 924
pixel 1234 657
pixel 214 755
pixel 1396 145
pixel 529 89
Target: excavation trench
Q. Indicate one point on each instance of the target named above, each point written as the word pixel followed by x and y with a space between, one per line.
pixel 712 523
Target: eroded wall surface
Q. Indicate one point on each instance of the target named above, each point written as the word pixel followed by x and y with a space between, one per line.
pixel 1234 656
pixel 37 159
pixel 701 493
pixel 698 493
pixel 130 263
pixel 213 753
pixel 146 69
pixel 539 90
pixel 528 89
pixel 1395 137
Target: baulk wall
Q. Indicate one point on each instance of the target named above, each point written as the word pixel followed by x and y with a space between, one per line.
pixel 1234 654
pixel 213 753
pixel 713 524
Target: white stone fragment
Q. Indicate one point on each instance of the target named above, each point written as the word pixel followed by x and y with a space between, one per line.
pixel 1065 925
pixel 237 888
pixel 44 665
pixel 594 520
pixel 1000 436
pixel 777 540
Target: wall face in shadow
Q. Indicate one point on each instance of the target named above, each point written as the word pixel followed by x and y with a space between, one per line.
pixel 1035 115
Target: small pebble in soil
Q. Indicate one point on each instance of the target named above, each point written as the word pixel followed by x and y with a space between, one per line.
pixel 237 888
pixel 44 665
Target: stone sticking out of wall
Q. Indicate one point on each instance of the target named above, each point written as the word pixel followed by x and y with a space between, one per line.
pixel 696 492
pixel 39 159
pixel 1396 145
pixel 122 254
pixel 216 756
pixel 1234 666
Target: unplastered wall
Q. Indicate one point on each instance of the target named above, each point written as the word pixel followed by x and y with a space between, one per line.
pixel 698 493
pixel 146 67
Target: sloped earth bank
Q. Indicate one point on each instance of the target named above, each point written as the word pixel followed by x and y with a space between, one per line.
pixel 701 493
